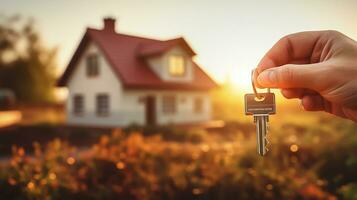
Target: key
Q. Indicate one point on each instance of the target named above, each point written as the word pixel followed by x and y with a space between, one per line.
pixel 260 108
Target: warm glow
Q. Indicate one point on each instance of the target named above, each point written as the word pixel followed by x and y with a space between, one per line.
pixel 21 151
pixel 61 94
pixel 30 185
pixel 8 118
pixel 120 165
pixel 52 176
pixel 240 78
pixel 71 160
pixel 176 65
pixel 294 148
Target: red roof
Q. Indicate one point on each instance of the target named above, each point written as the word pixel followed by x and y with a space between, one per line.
pixel 125 54
pixel 158 48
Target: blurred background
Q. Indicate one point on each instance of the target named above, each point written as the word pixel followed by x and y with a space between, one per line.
pixel 312 155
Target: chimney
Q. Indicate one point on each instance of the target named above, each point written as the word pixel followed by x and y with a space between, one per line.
pixel 109 24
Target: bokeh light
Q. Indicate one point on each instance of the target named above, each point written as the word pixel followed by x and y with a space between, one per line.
pixel 294 148
pixel 71 160
pixel 120 165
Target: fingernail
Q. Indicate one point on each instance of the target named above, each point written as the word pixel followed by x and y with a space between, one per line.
pixel 267 78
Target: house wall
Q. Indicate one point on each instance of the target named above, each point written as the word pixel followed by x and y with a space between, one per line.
pixel 159 65
pixel 185 106
pixel 89 87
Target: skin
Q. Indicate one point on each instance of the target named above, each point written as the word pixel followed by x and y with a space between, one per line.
pixel 318 67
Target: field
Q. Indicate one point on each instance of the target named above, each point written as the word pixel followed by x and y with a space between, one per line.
pixel 311 156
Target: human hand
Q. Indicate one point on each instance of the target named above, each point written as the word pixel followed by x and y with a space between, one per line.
pixel 318 67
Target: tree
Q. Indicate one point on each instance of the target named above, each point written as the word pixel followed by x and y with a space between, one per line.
pixel 27 67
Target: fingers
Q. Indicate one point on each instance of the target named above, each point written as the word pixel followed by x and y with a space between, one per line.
pixel 318 103
pixel 292 93
pixel 297 93
pixel 313 103
pixel 292 76
pixel 310 100
pixel 295 48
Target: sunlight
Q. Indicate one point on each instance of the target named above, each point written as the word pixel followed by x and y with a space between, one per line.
pixel 239 79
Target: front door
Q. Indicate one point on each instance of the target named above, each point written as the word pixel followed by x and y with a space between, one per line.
pixel 150 109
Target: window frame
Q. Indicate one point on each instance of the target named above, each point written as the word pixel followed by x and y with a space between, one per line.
pixel 171 71
pixel 169 104
pixel 99 105
pixel 76 109
pixel 92 65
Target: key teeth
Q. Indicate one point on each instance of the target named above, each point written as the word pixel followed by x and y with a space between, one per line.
pixel 262 129
pixel 267 143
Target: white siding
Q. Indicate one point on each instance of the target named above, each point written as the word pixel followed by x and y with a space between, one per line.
pixel 157 65
pixel 185 110
pixel 106 82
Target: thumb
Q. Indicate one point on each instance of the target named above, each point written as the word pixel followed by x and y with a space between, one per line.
pixel 291 76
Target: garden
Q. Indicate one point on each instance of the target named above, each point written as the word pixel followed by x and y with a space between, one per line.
pixel 314 160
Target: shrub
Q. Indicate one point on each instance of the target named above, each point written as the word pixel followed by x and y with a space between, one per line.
pixel 188 165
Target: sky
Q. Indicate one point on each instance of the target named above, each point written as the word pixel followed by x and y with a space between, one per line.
pixel 229 36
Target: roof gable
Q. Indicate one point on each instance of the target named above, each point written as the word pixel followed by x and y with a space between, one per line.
pixel 158 48
pixel 124 53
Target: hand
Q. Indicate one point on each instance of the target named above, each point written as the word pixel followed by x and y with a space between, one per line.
pixel 318 67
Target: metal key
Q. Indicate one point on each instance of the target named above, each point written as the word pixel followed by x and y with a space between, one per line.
pixel 260 107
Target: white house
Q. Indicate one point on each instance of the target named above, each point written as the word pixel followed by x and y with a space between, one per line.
pixel 115 79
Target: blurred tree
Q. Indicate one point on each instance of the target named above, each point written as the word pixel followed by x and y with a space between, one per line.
pixel 27 67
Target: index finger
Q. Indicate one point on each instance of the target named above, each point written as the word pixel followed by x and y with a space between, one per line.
pixel 296 48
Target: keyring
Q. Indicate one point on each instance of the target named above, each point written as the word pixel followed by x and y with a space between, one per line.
pixel 257 95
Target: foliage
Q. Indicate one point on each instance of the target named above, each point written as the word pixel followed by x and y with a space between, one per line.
pixel 170 132
pixel 300 165
pixel 26 66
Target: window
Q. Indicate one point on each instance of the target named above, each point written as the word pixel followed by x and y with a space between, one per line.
pixel 92 65
pixel 169 104
pixel 198 105
pixel 78 104
pixel 177 65
pixel 102 105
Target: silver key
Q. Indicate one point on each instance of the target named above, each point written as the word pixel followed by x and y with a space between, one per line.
pixel 261 122
pixel 260 108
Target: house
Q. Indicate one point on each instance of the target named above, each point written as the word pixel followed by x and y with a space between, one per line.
pixel 115 79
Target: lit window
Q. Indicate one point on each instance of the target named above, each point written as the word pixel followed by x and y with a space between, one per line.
pixel 92 65
pixel 177 65
pixel 169 104
pixel 78 104
pixel 198 105
pixel 102 105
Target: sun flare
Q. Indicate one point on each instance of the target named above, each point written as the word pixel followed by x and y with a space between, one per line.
pixel 240 80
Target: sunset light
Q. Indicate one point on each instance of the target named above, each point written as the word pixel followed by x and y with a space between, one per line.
pixel 151 100
pixel 230 40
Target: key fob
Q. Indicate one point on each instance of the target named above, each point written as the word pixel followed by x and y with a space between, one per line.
pixel 265 105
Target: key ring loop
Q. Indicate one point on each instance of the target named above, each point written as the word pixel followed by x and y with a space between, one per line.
pixel 257 95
